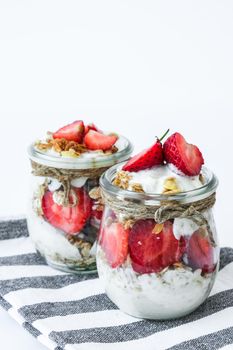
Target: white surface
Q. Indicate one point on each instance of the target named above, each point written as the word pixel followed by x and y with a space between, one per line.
pixel 134 67
pixel 13 336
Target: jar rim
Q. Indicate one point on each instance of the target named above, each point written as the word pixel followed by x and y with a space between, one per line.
pixel 155 198
pixel 81 163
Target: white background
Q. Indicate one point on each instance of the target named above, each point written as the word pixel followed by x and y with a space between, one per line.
pixel 134 67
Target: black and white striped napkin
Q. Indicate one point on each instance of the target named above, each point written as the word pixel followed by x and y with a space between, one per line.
pixel 65 311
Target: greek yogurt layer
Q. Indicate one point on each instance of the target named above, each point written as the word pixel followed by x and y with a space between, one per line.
pixel 175 292
pixel 153 180
pixel 49 240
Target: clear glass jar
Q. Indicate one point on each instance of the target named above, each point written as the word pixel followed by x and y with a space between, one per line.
pixel 64 233
pixel 163 275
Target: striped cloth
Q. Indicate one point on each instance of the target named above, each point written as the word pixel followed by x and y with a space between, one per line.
pixel 65 311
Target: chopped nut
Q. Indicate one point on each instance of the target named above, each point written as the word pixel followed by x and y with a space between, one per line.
pixel 122 179
pixel 202 179
pixel 71 153
pixel 99 207
pixel 178 265
pixel 112 150
pixel 137 187
pixel 170 186
pixel 157 229
pixel 95 193
pixel 128 223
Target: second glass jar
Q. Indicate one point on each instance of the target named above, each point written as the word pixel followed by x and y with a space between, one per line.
pixel 64 210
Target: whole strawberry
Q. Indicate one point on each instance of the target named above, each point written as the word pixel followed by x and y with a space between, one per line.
pixel 184 156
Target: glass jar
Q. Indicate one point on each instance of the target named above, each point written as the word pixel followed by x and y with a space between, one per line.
pixel 65 207
pixel 157 270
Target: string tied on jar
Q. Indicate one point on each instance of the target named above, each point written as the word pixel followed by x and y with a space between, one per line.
pixel 65 176
pixel 128 210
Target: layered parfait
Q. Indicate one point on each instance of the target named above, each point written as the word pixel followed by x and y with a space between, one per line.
pixel 65 205
pixel 157 250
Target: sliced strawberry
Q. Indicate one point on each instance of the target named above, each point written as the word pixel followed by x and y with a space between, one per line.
pixel 69 219
pixel 200 252
pixel 71 132
pixel 151 252
pixel 97 214
pixel 114 242
pixel 146 159
pixel 94 140
pixel 91 127
pixel 186 157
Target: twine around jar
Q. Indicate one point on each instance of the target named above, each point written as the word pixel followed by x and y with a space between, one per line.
pixel 65 176
pixel 167 210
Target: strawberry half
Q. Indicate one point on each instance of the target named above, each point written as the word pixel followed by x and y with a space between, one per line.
pixel 95 140
pixel 69 219
pixel 71 132
pixel 152 252
pixel 114 242
pixel 186 157
pixel 200 252
pixel 146 159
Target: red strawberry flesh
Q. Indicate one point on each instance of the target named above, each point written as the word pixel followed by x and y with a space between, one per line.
pixel 71 220
pixel 151 252
pixel 91 127
pixel 146 159
pixel 71 132
pixel 186 157
pixel 95 140
pixel 114 242
pixel 200 252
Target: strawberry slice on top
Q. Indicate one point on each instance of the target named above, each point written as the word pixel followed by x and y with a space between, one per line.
pixel 71 132
pixel 71 220
pixel 114 242
pixel 95 140
pixel 184 156
pixel 147 158
pixel 151 251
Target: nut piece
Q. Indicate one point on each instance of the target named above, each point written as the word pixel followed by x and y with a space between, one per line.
pixel 95 193
pixel 112 150
pixel 122 179
pixel 202 179
pixel 71 153
pixel 178 265
pixel 170 186
pixel 136 187
pixel 128 223
pixel 157 229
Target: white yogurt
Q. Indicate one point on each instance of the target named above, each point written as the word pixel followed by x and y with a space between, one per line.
pixel 152 180
pixel 49 240
pixel 172 294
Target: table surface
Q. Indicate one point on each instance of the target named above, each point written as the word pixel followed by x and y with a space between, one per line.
pixel 133 67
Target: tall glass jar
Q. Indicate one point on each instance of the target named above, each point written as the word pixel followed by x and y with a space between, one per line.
pixel 65 207
pixel 157 255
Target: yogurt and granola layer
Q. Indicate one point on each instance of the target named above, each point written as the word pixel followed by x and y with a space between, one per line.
pixel 158 270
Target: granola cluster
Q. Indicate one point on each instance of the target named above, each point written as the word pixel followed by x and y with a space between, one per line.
pixel 67 148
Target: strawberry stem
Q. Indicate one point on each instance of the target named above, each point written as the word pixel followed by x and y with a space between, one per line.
pixel 165 134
